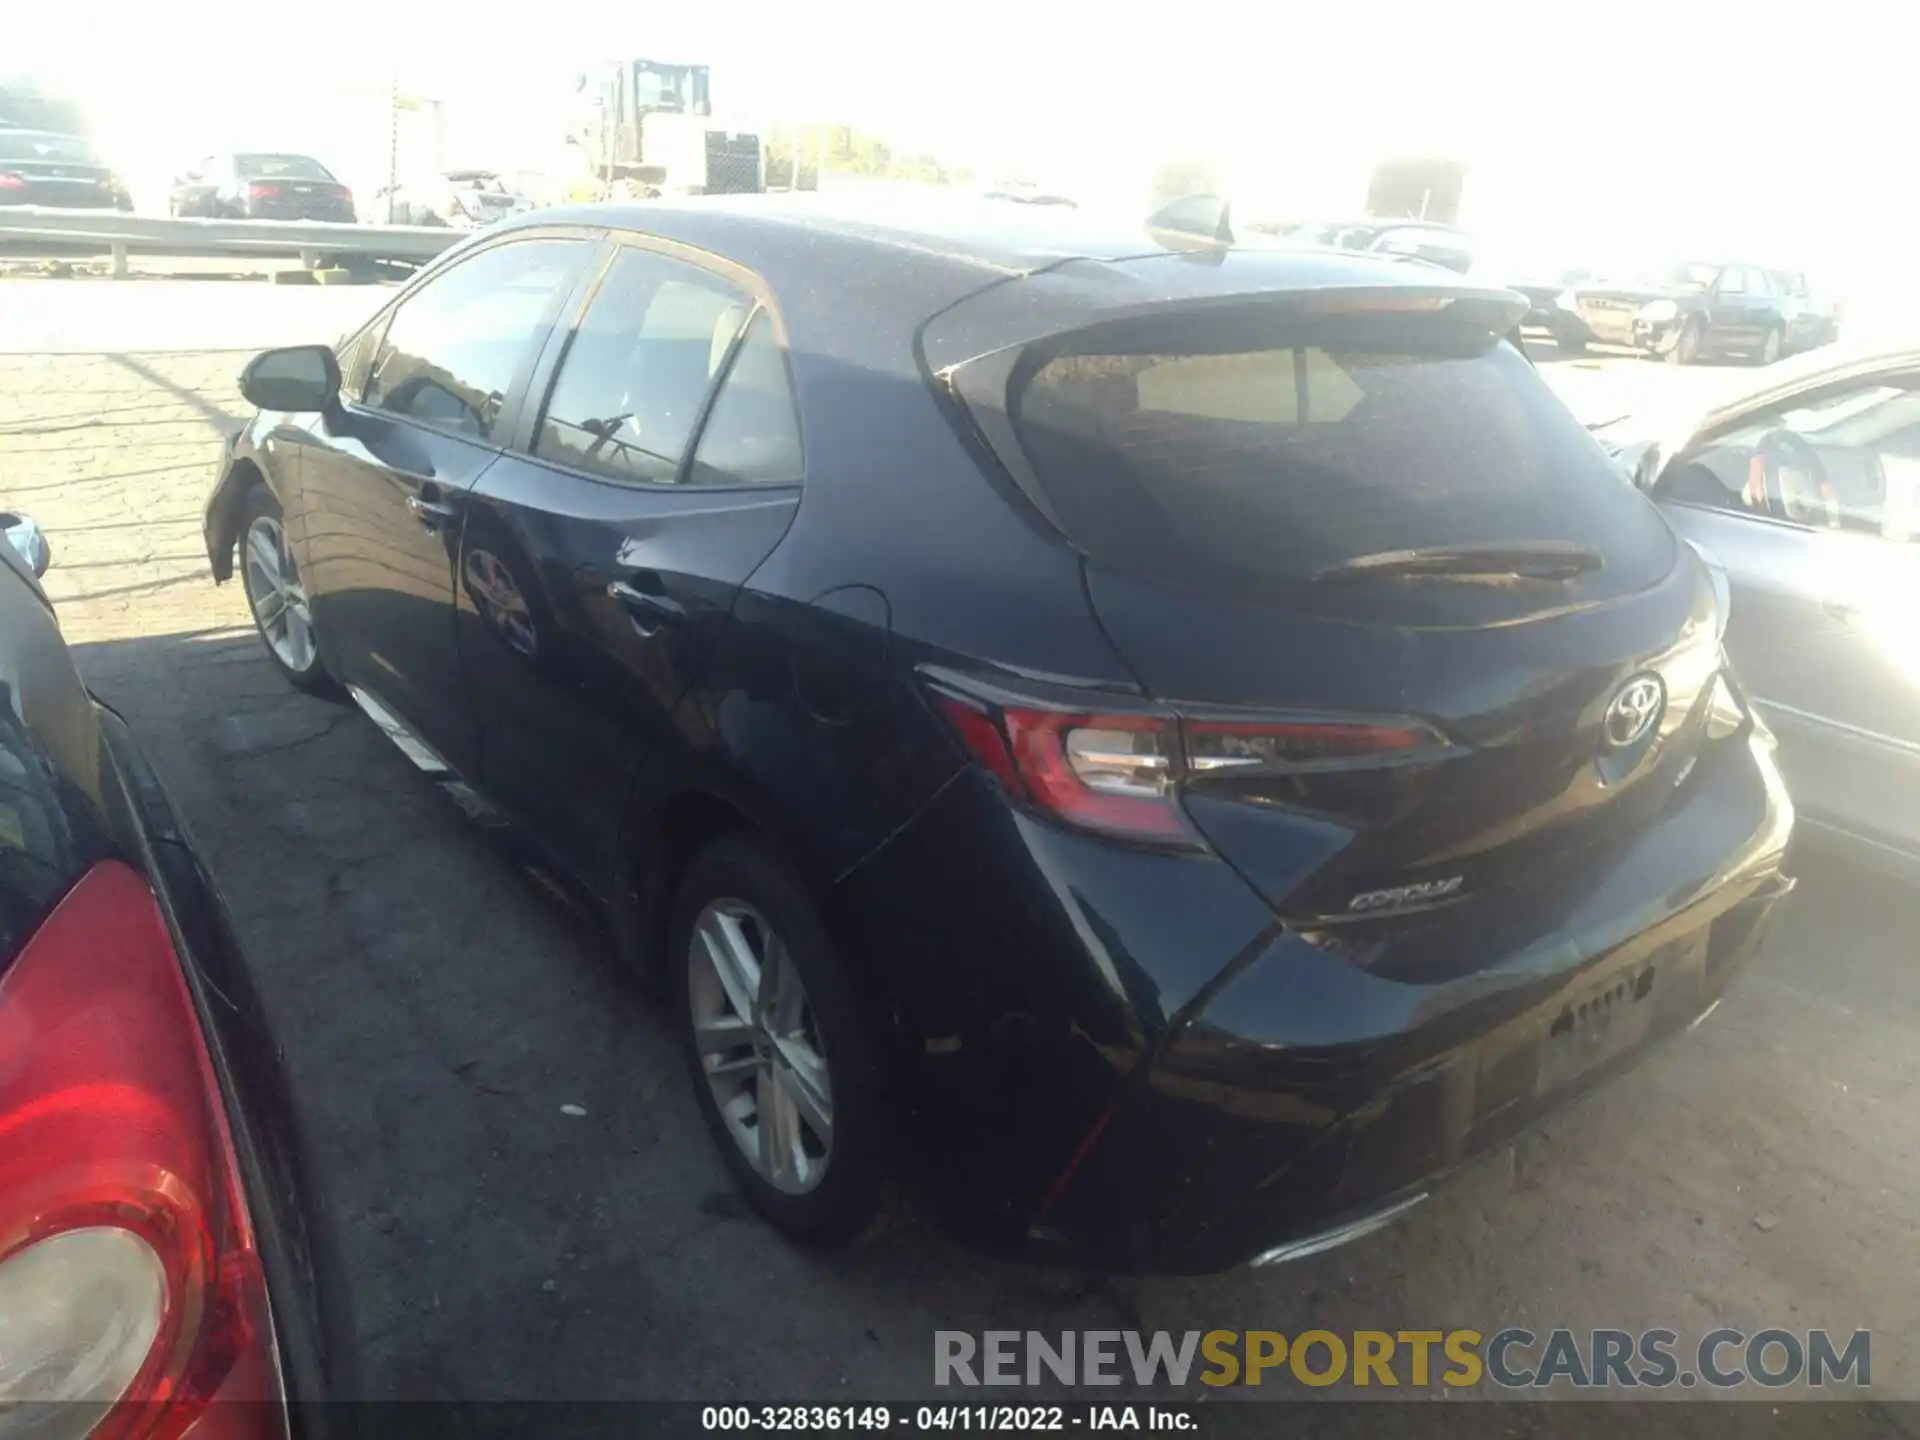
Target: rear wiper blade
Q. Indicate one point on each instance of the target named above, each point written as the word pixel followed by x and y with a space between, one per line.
pixel 1522 559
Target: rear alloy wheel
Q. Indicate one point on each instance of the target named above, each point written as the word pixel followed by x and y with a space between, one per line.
pixel 277 597
pixel 1686 345
pixel 776 1045
pixel 1771 347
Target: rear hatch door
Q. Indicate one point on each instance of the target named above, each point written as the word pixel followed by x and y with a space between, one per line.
pixel 1426 643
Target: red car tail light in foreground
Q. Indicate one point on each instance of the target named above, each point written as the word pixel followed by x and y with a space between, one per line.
pixel 10 181
pixel 1118 773
pixel 259 191
pixel 130 1285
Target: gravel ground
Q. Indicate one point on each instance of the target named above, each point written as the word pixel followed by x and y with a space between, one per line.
pixel 440 1011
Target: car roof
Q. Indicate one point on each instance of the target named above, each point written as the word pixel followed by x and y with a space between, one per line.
pixel 858 278
pixel 965 231
pixel 986 239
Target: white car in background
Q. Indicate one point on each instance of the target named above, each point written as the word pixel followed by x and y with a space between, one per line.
pixel 460 199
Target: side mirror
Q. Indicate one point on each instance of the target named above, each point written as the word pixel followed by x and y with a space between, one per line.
pixel 298 378
pixel 29 540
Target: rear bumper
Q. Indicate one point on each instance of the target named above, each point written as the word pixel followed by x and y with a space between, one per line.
pixel 1308 1094
pixel 65 200
pixel 318 208
pixel 1133 1064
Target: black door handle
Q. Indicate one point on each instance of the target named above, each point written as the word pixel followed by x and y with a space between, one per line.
pixel 432 514
pixel 657 610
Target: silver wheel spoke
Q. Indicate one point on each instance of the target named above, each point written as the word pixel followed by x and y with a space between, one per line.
pixel 732 960
pixel 720 1036
pixel 730 1069
pixel 758 1048
pixel 263 553
pixel 773 983
pixel 299 637
pixel 278 600
pixel 811 1104
pixel 774 1122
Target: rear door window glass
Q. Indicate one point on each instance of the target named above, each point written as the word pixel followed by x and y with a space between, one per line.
pixel 637 371
pixel 1256 466
pixel 751 436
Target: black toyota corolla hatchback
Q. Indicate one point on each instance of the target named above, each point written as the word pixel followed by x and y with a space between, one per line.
pixel 1188 744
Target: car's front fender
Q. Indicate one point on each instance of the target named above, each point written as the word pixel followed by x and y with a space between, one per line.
pixel 242 466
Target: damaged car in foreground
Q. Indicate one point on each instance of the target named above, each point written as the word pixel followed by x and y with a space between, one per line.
pixel 1182 745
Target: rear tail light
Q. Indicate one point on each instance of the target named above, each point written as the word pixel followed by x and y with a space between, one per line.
pixel 1120 773
pixel 258 191
pixel 130 1283
pixel 11 182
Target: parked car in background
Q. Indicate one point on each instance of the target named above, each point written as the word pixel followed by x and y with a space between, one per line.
pixel 1224 753
pixel 1812 320
pixel 1442 245
pixel 162 1250
pixel 1686 312
pixel 44 167
pixel 462 199
pixel 1027 193
pixel 260 185
pixel 1808 493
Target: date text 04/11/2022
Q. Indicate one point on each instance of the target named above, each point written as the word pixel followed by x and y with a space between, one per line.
pixel 922 1419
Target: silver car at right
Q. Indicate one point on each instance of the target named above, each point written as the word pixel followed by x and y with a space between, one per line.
pixel 1806 492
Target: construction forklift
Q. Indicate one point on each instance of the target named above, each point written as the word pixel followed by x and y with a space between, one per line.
pixel 646 128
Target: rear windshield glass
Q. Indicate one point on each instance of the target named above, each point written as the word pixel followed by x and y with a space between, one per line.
pixel 54 149
pixel 1204 457
pixel 281 167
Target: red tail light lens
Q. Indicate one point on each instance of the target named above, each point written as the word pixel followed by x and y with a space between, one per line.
pixel 12 182
pixel 1120 773
pixel 259 191
pixel 1214 745
pixel 1104 772
pixel 128 1269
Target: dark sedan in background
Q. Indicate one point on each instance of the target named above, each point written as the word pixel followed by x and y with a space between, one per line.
pixel 162 1249
pixel 1808 492
pixel 1693 311
pixel 43 167
pixel 1189 744
pixel 255 185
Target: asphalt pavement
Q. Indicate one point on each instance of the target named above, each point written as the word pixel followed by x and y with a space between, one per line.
pixel 445 1019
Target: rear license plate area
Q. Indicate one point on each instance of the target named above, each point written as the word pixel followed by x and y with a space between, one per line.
pixel 1613 1015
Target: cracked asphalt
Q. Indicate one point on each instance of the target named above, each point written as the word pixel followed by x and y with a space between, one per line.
pixel 439 1011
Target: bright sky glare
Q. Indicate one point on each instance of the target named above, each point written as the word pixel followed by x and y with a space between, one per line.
pixel 1666 128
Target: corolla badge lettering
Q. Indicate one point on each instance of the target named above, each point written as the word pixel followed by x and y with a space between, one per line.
pixel 1395 896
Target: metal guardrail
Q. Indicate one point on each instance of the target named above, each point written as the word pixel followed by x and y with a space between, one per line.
pixel 119 234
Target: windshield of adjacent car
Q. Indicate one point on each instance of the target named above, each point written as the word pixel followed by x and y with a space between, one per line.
pixel 281 167
pixel 57 149
pixel 1687 275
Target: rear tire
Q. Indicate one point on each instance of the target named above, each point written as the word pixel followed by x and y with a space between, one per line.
pixel 1771 348
pixel 1686 345
pixel 1569 344
pixel 277 597
pixel 781 1060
